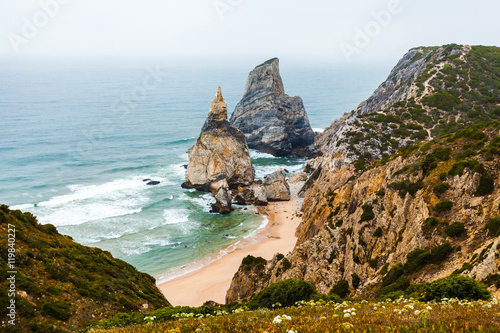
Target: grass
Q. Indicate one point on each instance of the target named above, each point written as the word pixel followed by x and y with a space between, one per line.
pixel 401 315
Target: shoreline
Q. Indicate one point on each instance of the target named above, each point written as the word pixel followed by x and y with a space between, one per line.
pixel 211 282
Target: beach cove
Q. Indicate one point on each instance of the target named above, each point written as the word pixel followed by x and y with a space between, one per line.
pixel 211 282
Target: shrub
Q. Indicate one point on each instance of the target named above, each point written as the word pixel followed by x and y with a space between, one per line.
pixel 378 232
pixel 394 274
pixel 416 259
pixel 406 187
pixel 56 309
pixel 443 206
pixel 384 269
pixel 355 280
pixel 443 101
pixel 486 185
pixel 430 223
pixel 286 264
pixel 455 229
pixel 440 253
pixel 368 213
pixel 455 286
pixel 381 192
pixel 341 288
pixel 249 262
pixel 493 226
pixel 285 292
pixel 402 283
pixel 441 188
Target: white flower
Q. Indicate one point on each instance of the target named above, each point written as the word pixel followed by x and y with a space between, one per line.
pixel 417 312
pixel 347 315
pixel 292 331
pixel 277 320
pixel 428 308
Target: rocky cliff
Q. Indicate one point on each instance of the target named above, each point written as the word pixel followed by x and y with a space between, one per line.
pixel 428 212
pixel 61 285
pixel 382 222
pixel 272 121
pixel 432 91
pixel 221 149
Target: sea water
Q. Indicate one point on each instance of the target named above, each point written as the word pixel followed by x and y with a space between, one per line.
pixel 78 138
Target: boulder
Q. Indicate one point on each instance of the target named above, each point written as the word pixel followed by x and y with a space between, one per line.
pixel 222 194
pixel 260 198
pixel 272 121
pixel 297 177
pixel 220 149
pixel 275 186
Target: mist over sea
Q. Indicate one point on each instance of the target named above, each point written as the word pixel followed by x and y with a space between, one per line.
pixel 78 138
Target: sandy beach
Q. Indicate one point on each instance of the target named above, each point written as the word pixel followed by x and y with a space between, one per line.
pixel 212 281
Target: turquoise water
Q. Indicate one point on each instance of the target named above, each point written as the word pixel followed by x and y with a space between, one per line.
pixel 78 139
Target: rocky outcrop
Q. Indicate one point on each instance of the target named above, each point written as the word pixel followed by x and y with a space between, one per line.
pixel 272 121
pixel 275 186
pixel 363 224
pixel 222 193
pixel 297 177
pixel 220 149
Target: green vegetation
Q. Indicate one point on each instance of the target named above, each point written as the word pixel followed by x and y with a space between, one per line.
pixel 443 206
pixel 378 232
pixel 454 286
pixel 285 293
pixel 66 282
pixel 340 289
pixel 406 187
pixel 368 213
pixel 250 263
pixel 493 226
pixel 441 188
pixel 356 280
pixel 455 229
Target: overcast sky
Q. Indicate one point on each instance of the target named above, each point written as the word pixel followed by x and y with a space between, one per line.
pixel 329 30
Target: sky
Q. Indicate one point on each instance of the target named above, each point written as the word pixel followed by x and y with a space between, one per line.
pixel 353 31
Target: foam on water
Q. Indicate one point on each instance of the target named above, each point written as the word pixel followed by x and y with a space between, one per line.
pixel 175 216
pixel 254 154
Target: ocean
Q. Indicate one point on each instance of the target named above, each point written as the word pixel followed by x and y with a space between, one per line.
pixel 78 138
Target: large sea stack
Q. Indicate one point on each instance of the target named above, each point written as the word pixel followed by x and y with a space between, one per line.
pixel 221 149
pixel 272 121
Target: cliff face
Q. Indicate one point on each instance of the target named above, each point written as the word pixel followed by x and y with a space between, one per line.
pixel 61 284
pixel 272 121
pixel 437 200
pixel 361 221
pixel 221 149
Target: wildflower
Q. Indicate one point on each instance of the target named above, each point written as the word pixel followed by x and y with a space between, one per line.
pixel 417 312
pixel 428 308
pixel 347 315
pixel 277 320
pixel 347 326
pixel 292 331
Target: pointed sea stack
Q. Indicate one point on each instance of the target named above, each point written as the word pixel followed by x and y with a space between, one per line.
pixel 272 121
pixel 221 149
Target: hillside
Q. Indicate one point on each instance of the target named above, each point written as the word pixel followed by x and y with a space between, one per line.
pixel 432 91
pixel 428 212
pixel 62 285
pixel 401 195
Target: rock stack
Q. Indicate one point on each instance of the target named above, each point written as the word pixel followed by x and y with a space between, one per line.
pixel 220 157
pixel 272 121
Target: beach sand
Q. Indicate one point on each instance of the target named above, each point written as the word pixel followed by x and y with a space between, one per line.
pixel 212 281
